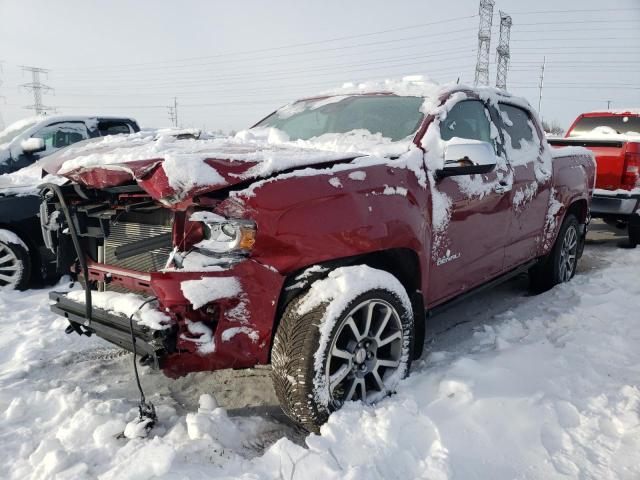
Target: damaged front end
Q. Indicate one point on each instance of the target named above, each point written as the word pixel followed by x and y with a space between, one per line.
pixel 124 246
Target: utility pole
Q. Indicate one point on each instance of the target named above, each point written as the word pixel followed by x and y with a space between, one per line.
pixel 38 88
pixel 484 42
pixel 503 51
pixel 173 112
pixel 608 104
pixel 544 61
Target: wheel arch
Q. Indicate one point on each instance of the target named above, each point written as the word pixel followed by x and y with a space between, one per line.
pixel 402 263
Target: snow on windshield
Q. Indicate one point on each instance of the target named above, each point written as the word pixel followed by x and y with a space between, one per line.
pixel 16 128
pixel 393 117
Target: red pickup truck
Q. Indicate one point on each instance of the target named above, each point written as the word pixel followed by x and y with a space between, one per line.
pixel 614 138
pixel 320 240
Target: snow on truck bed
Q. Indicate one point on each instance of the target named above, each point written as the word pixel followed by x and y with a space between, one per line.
pixel 534 387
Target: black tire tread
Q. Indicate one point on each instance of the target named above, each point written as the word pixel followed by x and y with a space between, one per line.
pixel 544 275
pixel 292 360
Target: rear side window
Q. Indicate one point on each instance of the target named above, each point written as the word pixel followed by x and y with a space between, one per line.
pixel 113 128
pixel 467 119
pixel 517 125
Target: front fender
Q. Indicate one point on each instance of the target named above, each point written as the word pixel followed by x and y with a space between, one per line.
pixel 312 218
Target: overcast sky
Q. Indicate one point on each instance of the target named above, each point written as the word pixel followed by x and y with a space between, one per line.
pixel 231 62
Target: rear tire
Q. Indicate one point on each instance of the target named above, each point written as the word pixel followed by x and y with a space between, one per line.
pixel 560 264
pixel 15 266
pixel 362 356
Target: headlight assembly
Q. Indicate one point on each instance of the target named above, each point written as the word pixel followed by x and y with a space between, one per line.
pixel 225 235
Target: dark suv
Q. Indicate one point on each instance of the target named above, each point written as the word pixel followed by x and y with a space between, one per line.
pixel 22 145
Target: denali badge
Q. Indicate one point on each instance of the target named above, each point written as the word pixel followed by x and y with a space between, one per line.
pixel 448 257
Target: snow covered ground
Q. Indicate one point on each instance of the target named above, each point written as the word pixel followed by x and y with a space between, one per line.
pixel 513 386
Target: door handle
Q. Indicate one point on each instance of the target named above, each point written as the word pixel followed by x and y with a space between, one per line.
pixel 502 187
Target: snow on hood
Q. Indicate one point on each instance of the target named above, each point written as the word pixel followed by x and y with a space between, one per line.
pixel 26 180
pixel 170 169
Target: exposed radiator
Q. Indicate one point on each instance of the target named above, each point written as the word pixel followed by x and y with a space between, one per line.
pixel 123 233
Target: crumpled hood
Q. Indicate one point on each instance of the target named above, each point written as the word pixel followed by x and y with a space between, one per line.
pixel 173 170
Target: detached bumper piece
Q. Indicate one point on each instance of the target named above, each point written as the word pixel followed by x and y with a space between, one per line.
pixel 152 345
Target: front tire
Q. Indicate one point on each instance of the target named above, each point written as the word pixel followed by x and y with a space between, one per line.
pixel 319 363
pixel 560 264
pixel 15 266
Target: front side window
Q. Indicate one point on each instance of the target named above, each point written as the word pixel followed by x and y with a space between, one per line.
pixel 518 126
pixel 392 116
pixel 467 119
pixel 62 134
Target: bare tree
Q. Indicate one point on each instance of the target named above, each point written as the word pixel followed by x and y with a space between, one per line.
pixel 552 128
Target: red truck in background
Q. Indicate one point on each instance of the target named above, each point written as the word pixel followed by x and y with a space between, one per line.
pixel 325 264
pixel 614 138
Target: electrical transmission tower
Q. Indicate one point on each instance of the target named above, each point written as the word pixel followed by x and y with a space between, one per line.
pixel 503 51
pixel 484 42
pixel 38 88
pixel 173 112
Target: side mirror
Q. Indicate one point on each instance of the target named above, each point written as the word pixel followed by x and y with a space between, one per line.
pixel 464 156
pixel 33 145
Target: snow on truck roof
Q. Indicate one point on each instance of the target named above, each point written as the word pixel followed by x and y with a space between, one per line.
pixel 617 111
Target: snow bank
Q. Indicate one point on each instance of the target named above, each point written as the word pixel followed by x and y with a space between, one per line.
pixel 126 304
pixel 535 387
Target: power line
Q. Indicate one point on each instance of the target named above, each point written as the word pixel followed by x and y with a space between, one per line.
pixel 598 10
pixel 555 39
pixel 241 79
pixel 568 22
pixel 448 40
pixel 288 71
pixel 294 45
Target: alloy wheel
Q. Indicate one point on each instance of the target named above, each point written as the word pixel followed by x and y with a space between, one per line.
pixel 568 254
pixel 10 267
pixel 366 350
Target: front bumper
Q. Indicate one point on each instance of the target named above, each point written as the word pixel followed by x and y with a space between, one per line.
pixel 241 326
pixel 153 346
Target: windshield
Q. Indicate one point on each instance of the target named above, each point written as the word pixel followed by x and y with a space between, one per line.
pixel 15 129
pixel 392 116
pixel 618 124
